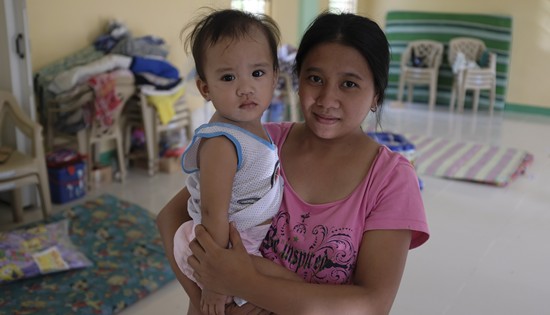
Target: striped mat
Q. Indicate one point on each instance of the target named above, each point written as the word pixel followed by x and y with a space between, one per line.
pixel 468 161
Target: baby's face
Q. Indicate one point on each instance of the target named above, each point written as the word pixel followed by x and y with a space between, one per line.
pixel 239 77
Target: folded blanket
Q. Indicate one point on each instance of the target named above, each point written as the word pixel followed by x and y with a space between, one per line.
pixel 105 91
pixel 158 67
pixel 68 79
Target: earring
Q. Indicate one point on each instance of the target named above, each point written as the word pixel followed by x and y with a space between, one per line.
pixel 374 108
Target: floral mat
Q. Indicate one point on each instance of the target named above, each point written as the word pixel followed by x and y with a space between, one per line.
pixel 121 240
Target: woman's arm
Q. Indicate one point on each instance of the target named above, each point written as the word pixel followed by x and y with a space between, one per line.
pixel 169 220
pixel 380 265
pixel 271 269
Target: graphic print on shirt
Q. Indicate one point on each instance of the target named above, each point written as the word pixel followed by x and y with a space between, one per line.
pixel 301 227
pixel 326 254
pixel 276 173
pixel 273 180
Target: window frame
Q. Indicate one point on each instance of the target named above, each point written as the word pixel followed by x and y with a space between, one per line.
pixel 242 4
pixel 339 6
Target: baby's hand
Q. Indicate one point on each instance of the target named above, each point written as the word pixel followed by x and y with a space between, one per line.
pixel 213 303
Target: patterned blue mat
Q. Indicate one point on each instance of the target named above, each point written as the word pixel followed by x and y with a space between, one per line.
pixel 122 241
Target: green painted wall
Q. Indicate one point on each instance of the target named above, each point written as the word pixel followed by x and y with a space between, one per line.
pixel 308 11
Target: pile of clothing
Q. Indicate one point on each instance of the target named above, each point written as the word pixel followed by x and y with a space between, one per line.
pixel 286 55
pixel 90 85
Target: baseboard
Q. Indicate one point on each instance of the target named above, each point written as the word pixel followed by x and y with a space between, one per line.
pixel 527 109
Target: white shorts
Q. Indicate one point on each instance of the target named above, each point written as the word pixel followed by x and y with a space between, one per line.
pixel 252 239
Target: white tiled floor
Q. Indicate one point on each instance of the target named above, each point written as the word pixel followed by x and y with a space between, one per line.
pixel 487 252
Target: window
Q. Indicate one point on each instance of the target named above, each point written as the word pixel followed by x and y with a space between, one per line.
pixel 252 6
pixel 338 6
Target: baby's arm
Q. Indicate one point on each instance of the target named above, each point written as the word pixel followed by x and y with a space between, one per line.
pixel 218 165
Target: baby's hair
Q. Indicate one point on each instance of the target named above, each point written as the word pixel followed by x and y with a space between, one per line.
pixel 214 25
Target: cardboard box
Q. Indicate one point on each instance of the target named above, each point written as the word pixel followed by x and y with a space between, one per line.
pixel 141 163
pixel 68 182
pixel 169 164
pixel 101 175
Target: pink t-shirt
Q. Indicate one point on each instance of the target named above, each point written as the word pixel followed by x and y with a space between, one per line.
pixel 320 242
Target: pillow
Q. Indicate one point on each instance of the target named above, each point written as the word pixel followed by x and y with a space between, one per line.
pixel 484 59
pixel 40 250
pixel 417 61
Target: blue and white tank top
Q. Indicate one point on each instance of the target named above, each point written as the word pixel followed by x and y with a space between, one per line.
pixel 257 186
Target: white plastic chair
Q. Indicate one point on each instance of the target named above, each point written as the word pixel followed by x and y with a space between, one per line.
pixel 471 78
pixel 97 133
pixel 22 169
pixel 145 114
pixel 430 53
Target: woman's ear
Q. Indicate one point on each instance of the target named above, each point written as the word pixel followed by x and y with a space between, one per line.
pixel 374 106
pixel 202 86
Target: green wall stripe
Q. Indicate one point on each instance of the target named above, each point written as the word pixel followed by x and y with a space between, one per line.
pixel 496 20
pixel 527 109
pixel 308 12
pixel 465 29
pixel 405 26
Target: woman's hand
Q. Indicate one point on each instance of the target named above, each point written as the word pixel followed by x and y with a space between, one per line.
pixel 219 269
pixel 213 303
pixel 247 309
